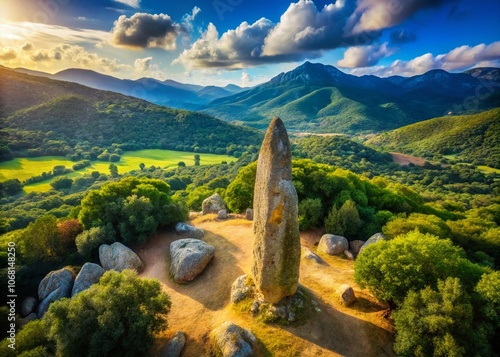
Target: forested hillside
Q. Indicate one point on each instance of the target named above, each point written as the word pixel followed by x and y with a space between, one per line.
pixel 46 117
pixel 473 138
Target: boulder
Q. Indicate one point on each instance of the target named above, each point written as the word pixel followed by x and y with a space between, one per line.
pixel 57 294
pixel 346 294
pixel 373 239
pixel 332 244
pixel 355 246
pixel 230 340
pixel 213 204
pixel 88 275
pixel 189 231
pixel 174 346
pixel 24 320
pixel 189 258
pixel 58 279
pixel 249 214
pixel 276 247
pixel 240 289
pixel 222 214
pixel 28 306
pixel 118 257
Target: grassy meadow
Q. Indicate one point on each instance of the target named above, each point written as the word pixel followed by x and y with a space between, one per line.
pixel 24 168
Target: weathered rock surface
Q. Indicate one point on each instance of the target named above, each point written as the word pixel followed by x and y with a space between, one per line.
pixel 24 320
pixel 118 257
pixel 189 258
pixel 189 231
pixel 57 294
pixel 276 249
pixel 174 346
pixel 310 255
pixel 332 244
pixel 240 289
pixel 249 214
pixel 346 294
pixel 213 204
pixel 355 246
pixel 230 340
pixel 373 239
pixel 28 306
pixel 58 279
pixel 222 214
pixel 348 254
pixel 88 275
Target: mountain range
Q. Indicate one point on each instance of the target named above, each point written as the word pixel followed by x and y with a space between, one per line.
pixel 169 92
pixel 321 98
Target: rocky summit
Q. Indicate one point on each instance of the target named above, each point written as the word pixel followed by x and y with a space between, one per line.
pixel 276 249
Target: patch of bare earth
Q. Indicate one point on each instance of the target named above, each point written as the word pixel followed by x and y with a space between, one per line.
pixel 201 305
pixel 404 159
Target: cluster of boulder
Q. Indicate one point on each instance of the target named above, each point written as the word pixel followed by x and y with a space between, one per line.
pixel 338 245
pixel 63 283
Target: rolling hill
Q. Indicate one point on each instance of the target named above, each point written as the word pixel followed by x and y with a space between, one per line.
pixel 315 97
pixel 45 116
pixel 473 138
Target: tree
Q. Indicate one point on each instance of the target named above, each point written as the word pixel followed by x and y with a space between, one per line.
pixel 89 240
pixel 488 290
pixel 40 240
pixel 181 164
pixel 68 230
pixel 310 213
pixel 118 316
pixel 411 262
pixel 425 224
pixel 438 323
pixel 239 193
pixel 114 157
pixel 10 187
pixel 197 160
pixel 61 183
pixel 31 340
pixel 113 170
pixel 142 166
pixel 344 221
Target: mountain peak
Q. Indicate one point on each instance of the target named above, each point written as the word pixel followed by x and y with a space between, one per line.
pixel 310 74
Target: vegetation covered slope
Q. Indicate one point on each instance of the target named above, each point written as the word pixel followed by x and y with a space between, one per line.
pixel 57 118
pixel 315 97
pixel 474 138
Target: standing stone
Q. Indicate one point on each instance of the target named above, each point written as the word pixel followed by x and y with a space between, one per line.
pixel 249 214
pixel 276 249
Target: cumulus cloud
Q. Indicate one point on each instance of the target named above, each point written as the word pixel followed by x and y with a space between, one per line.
pixel 364 56
pixel 7 54
pixel 401 37
pixel 143 30
pixel 373 15
pixel 142 65
pixel 234 49
pixel 28 46
pixel 460 58
pixel 245 79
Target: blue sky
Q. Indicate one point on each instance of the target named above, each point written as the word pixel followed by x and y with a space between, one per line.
pixel 247 42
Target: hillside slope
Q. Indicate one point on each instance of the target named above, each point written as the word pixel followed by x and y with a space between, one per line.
pixel 474 138
pixel 315 97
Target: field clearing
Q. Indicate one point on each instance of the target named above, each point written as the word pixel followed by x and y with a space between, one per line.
pixel 488 170
pixel 24 168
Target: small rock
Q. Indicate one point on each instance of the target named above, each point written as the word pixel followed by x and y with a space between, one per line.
pixel 310 255
pixel 281 312
pixel 189 258
pixel 348 254
pixel 249 214
pixel 332 244
pixel 189 231
pixel 88 275
pixel 57 279
pixel 118 257
pixel 24 320
pixel 230 340
pixel 255 307
pixel 28 306
pixel 291 317
pixel 240 290
pixel 213 204
pixel 346 294
pixel 373 239
pixel 355 246
pixel 57 294
pixel 222 214
pixel 174 346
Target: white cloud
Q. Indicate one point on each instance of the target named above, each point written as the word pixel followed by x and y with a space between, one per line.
pixel 142 65
pixel 7 54
pixel 364 56
pixel 458 59
pixel 132 3
pixel 245 79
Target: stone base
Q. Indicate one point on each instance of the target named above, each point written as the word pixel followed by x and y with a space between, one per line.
pixel 293 309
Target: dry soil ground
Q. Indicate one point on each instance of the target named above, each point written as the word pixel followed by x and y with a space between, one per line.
pixel 201 305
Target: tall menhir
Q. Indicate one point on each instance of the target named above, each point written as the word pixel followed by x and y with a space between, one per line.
pixel 276 249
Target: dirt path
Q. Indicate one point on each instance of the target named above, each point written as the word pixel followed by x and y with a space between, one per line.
pixel 201 305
